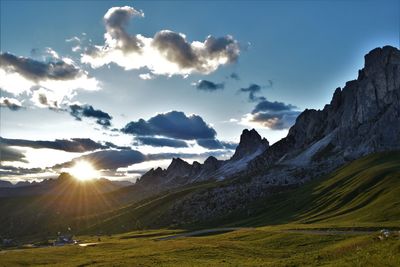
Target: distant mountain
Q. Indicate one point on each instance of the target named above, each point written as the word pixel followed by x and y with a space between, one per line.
pixel 64 184
pixel 179 172
pixel 5 184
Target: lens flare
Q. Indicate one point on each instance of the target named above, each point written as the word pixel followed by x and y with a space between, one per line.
pixel 83 171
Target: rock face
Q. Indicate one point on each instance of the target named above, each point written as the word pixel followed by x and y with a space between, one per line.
pixel 179 172
pixel 362 118
pixel 250 143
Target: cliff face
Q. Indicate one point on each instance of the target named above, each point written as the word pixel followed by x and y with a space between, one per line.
pixel 250 143
pixel 362 118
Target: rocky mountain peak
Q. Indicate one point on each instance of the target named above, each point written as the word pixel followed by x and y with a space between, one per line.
pixel 178 167
pixel 355 123
pixel 211 163
pixel 250 143
pixel 379 58
pixel 177 163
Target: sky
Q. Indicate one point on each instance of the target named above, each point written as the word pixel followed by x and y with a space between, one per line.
pixel 127 85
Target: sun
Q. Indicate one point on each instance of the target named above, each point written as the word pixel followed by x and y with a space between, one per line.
pixel 83 171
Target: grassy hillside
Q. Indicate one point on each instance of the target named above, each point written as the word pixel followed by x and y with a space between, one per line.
pixel 363 193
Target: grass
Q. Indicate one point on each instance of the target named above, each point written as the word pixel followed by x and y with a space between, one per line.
pixel 263 246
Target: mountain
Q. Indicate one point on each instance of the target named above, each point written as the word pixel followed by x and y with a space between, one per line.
pixel 362 118
pixel 64 184
pixel 179 172
pixel 5 184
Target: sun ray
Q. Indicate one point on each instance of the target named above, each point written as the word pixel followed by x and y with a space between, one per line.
pixel 83 171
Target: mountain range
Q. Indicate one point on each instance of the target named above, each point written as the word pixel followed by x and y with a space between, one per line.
pixel 363 118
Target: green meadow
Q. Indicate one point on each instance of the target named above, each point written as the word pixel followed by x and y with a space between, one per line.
pixel 332 221
pixel 262 246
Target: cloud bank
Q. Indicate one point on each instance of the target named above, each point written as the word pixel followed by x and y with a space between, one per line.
pixel 166 53
pixel 11 154
pixel 49 83
pixel 76 145
pixel 173 124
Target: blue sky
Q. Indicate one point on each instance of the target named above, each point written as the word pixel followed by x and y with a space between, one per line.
pixel 297 52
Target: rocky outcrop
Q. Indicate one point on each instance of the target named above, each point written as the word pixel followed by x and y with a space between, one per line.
pixel 250 143
pixel 362 118
pixel 179 172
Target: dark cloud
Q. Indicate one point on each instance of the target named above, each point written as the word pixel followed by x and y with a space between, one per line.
pixel 176 48
pixel 252 90
pixel 268 106
pixel 160 142
pixel 10 103
pixel 274 115
pixel 73 145
pixel 12 171
pixel 108 159
pixel 222 45
pixel 43 99
pixel 215 144
pixel 173 124
pixel 209 86
pixel 80 111
pixel 234 76
pixel 11 154
pixel 277 120
pixel 111 145
pixel 35 70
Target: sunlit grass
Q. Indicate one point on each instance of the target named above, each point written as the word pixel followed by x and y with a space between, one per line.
pixel 248 247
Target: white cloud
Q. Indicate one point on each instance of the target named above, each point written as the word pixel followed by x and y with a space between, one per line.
pixel 167 53
pixel 146 76
pixel 58 79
